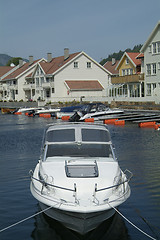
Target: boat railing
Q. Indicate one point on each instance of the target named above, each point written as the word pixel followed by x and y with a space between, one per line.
pixel 45 184
pixel 122 182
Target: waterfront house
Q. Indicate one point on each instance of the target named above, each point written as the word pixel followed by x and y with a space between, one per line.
pixel 151 51
pixel 130 81
pixel 67 78
pixel 4 71
pixel 12 83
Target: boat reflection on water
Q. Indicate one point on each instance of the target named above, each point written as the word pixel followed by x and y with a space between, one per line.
pixel 47 228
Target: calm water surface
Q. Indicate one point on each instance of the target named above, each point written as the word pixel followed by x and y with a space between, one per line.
pixel 137 150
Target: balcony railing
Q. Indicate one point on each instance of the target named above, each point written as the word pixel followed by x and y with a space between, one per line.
pixel 13 87
pixel 47 84
pixel 128 79
pixel 28 86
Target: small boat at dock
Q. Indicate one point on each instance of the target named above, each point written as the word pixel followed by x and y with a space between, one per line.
pixel 94 110
pixel 78 180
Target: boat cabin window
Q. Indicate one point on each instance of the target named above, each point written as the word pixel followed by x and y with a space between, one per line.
pixel 79 150
pixel 61 135
pixel 95 135
pixel 82 171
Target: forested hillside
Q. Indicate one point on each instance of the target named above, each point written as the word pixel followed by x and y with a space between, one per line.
pixel 118 55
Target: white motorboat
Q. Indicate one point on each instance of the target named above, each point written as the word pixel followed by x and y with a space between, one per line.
pixel 47 110
pixel 94 110
pixel 25 109
pixel 77 180
pixel 67 111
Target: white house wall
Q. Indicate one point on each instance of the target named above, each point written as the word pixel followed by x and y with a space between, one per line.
pixel 80 73
pixel 21 81
pixel 150 58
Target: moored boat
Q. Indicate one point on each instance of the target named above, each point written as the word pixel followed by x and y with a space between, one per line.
pixel 78 180
pixel 94 110
pixel 67 111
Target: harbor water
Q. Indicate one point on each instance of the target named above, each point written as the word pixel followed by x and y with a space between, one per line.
pixel 137 150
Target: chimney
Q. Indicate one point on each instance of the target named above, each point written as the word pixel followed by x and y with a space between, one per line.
pixel 113 61
pixel 66 53
pixel 30 60
pixel 20 63
pixel 49 57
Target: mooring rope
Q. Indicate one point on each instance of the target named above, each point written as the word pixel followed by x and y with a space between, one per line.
pixel 131 222
pixel 25 219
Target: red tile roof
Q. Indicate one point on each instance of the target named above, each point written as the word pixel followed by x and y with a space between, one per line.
pixel 111 67
pixel 133 57
pixel 141 55
pixel 84 85
pixel 20 70
pixel 4 70
pixel 56 63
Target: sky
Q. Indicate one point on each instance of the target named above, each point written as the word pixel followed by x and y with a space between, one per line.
pixel 97 27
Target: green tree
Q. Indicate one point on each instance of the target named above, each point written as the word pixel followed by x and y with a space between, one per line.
pixel 14 60
pixel 118 55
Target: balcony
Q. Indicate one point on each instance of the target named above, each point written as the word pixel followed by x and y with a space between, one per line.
pixel 13 87
pixel 128 79
pixel 28 86
pixel 48 85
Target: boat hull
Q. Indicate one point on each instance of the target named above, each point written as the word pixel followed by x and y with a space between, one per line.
pixel 78 222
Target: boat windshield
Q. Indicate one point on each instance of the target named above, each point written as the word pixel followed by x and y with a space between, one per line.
pixel 61 135
pixel 86 135
pixel 79 150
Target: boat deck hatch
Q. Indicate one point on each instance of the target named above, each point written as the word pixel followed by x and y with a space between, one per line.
pixel 81 170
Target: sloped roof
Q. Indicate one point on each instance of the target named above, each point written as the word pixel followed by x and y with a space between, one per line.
pixel 20 70
pixel 140 56
pixel 56 63
pixel 29 75
pixel 132 56
pixel 84 85
pixel 4 70
pixel 111 67
pixel 148 41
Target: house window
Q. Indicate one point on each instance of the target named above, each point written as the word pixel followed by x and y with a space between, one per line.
pixel 148 89
pixel 88 64
pixel 154 48
pixel 158 47
pixel 131 71
pixel 127 61
pixel 127 71
pixel 41 72
pixel 123 72
pixel 52 90
pixel 37 82
pixel 153 85
pixel 75 64
pixel 37 72
pixel 154 68
pixel 42 81
pixel 148 69
pixel 48 93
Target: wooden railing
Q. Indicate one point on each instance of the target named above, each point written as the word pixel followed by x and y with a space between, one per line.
pixel 128 78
